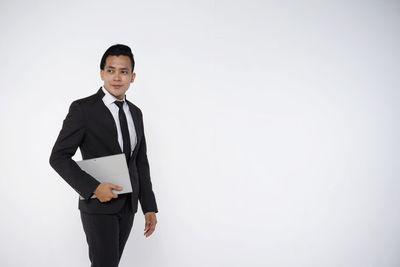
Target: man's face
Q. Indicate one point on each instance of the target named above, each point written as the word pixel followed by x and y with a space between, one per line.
pixel 117 75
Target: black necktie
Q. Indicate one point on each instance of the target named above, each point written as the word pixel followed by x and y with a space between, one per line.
pixel 124 129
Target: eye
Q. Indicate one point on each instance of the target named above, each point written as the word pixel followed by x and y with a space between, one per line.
pixel 124 72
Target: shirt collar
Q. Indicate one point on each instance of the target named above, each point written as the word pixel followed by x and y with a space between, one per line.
pixel 108 98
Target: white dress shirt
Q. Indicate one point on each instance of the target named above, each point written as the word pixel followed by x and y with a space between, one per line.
pixel 108 100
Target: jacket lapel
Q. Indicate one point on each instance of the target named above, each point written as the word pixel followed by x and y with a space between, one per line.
pixel 108 119
pixel 136 121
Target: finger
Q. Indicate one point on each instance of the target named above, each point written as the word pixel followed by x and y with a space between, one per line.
pixel 150 231
pixel 147 225
pixel 114 195
pixel 147 233
pixel 150 228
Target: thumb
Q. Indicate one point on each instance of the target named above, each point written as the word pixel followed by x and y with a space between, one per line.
pixel 116 187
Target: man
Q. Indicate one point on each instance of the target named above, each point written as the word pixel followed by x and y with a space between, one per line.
pixel 104 124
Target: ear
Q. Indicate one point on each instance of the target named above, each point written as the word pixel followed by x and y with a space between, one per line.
pixel 133 77
pixel 101 74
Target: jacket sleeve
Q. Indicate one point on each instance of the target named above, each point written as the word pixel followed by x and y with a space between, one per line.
pixel 146 194
pixel 69 139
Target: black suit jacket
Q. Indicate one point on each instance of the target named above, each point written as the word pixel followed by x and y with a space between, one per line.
pixel 90 126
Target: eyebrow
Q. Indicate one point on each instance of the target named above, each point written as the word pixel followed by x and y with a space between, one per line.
pixel 111 67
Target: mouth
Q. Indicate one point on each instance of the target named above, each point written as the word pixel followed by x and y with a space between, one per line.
pixel 116 86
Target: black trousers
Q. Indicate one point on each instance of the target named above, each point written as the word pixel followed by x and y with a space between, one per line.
pixel 106 234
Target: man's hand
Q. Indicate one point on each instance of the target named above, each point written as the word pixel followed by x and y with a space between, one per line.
pixel 150 224
pixel 104 191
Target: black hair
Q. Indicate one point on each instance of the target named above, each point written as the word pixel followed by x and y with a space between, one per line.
pixel 117 50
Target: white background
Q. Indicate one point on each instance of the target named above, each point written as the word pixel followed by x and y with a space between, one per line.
pixel 272 129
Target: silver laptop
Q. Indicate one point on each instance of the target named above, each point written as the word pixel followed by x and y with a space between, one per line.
pixel 109 169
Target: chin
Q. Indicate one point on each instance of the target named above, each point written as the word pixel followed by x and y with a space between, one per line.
pixel 115 94
pixel 120 97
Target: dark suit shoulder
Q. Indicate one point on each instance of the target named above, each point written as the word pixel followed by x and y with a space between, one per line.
pixel 88 100
pixel 133 106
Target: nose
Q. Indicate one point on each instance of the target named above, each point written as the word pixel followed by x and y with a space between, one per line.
pixel 117 76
